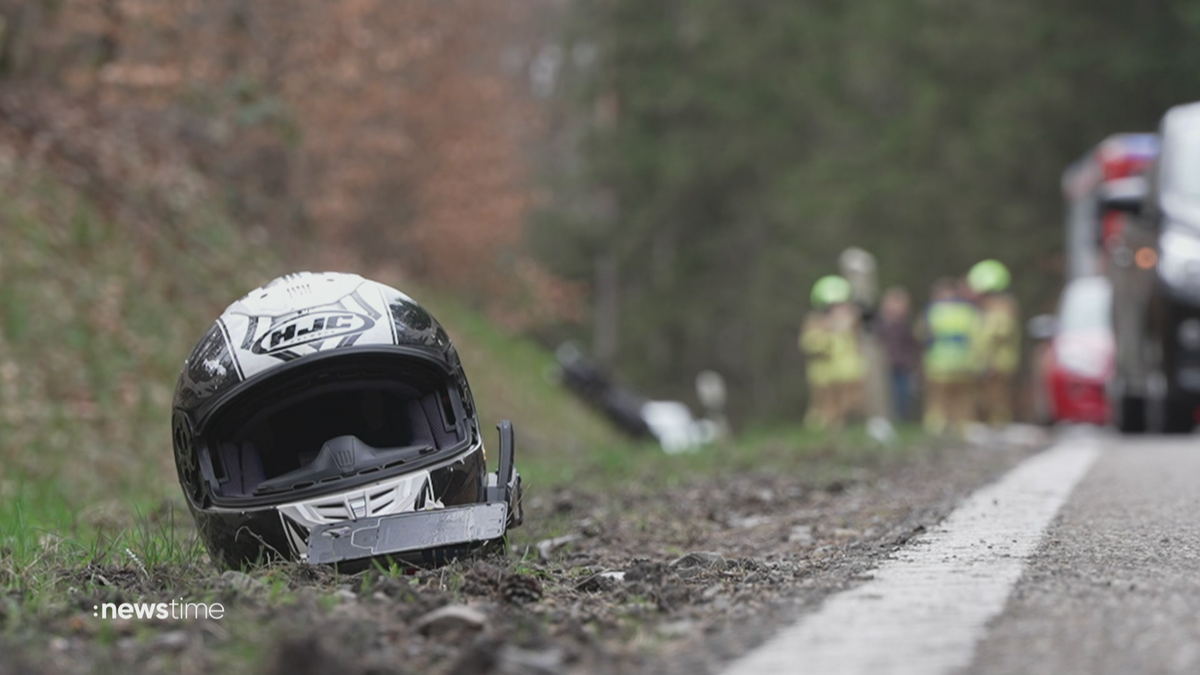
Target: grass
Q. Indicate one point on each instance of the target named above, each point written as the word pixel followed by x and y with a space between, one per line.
pixel 512 379
pixel 95 320
pixel 816 456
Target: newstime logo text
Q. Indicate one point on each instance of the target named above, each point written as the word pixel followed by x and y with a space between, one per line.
pixel 159 610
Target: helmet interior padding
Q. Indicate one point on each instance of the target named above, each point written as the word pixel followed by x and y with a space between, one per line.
pixel 319 431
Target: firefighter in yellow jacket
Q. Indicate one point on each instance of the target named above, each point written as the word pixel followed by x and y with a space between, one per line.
pixel 999 345
pixel 950 330
pixel 835 364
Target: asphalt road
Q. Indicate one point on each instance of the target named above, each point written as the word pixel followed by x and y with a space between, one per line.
pixel 1114 586
pixel 1084 559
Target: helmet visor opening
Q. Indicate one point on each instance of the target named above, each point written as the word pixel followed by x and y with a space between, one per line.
pixel 317 432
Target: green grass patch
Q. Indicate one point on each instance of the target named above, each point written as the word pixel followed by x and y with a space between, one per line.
pixel 513 378
pixel 817 456
pixel 97 319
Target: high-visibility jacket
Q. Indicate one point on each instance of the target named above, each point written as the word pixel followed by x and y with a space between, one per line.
pixel 999 335
pixel 816 341
pixel 847 363
pixel 952 351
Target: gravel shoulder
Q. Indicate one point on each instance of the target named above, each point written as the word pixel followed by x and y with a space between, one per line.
pixel 622 578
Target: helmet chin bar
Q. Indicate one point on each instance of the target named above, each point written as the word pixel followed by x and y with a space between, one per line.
pixel 436 533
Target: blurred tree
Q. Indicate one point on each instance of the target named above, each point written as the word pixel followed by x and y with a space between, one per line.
pixel 394 135
pixel 724 152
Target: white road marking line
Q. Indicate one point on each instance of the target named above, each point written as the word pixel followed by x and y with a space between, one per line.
pixel 925 609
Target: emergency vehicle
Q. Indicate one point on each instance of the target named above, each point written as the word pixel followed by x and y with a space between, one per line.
pixel 1075 362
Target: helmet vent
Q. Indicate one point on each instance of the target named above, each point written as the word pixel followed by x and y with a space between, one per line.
pixel 358 505
pixel 381 499
pixel 299 291
pixel 334 511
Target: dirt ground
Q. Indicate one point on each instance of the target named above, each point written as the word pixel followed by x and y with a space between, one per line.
pixel 674 580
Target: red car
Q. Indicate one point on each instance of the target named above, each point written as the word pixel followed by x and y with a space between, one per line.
pixel 1075 362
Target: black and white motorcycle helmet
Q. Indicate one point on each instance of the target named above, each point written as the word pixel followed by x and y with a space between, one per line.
pixel 326 418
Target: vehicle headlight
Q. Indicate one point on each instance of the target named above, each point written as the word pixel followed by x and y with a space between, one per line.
pixel 1179 260
pixel 1084 362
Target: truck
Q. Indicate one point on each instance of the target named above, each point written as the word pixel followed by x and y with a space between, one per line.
pixel 1074 360
pixel 1156 272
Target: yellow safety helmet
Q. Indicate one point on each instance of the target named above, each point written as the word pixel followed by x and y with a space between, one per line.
pixel 989 276
pixel 831 290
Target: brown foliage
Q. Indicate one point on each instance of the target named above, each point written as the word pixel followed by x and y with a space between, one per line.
pixel 398 133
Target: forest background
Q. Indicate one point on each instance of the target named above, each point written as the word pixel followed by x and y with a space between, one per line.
pixel 659 179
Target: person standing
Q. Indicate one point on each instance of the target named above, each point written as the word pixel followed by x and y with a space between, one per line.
pixel 860 268
pixel 829 340
pixel 950 330
pixel 815 343
pixel 999 339
pixel 900 345
pixel 848 362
